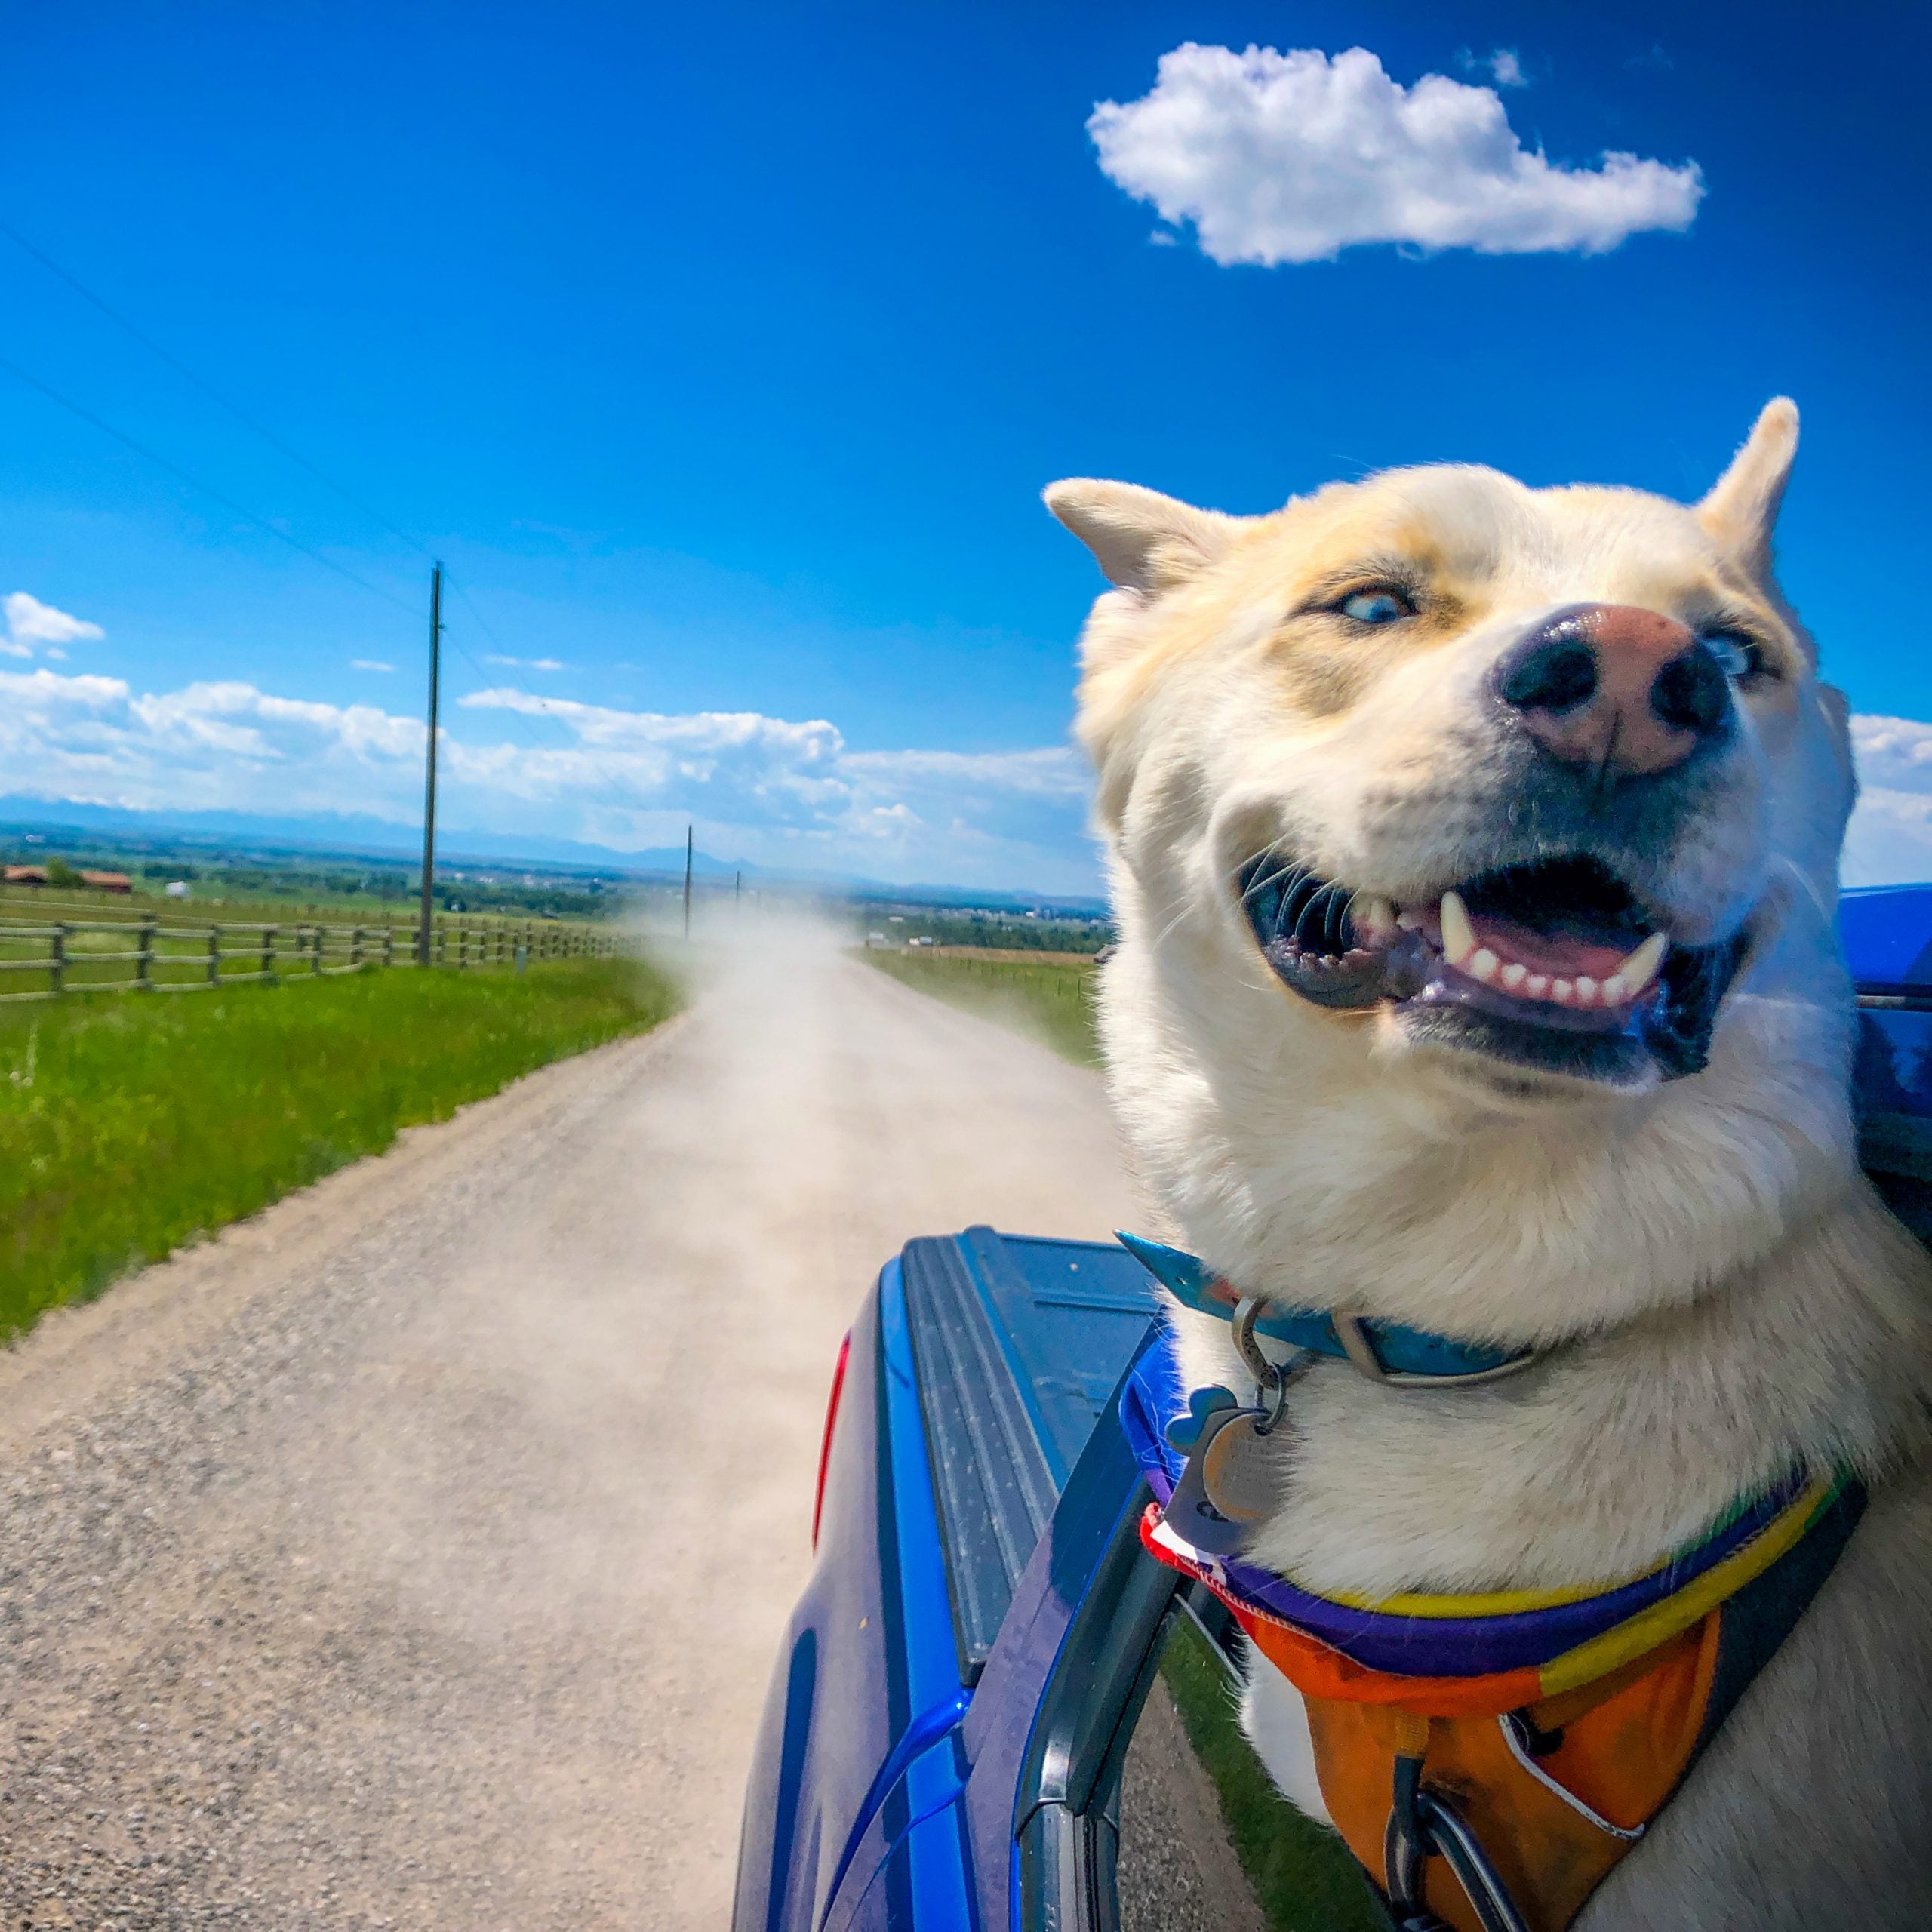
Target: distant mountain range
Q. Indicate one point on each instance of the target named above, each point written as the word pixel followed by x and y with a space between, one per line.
pixel 357 835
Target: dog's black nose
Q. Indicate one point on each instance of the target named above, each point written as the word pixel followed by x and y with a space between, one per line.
pixel 1612 685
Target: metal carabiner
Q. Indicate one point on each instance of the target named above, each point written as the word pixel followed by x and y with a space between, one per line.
pixel 1271 1379
pixel 1440 1828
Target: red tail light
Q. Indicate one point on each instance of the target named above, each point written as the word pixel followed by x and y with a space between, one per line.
pixel 831 1418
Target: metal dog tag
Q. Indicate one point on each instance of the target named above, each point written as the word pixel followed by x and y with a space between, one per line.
pixel 1223 1492
pixel 1237 1470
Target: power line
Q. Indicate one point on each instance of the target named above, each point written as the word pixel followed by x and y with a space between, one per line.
pixel 295 456
pixel 206 489
pixel 207 388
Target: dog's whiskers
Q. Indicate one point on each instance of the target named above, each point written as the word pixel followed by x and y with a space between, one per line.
pixel 1320 922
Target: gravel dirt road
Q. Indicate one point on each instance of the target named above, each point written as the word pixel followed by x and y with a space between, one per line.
pixel 414 1554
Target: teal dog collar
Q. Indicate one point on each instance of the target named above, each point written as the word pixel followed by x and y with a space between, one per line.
pixel 1384 1351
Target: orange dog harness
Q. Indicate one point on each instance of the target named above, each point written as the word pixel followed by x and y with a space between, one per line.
pixel 1530 1783
pixel 1490 1758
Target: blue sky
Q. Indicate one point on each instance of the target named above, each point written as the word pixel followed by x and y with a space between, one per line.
pixel 723 353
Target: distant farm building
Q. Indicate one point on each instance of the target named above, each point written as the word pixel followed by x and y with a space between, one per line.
pixel 37 875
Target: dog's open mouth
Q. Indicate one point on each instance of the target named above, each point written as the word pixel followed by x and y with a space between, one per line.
pixel 1554 967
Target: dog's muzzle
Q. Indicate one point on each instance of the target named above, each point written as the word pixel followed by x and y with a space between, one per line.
pixel 1553 968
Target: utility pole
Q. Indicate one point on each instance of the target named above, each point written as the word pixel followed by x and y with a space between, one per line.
pixel 690 832
pixel 737 893
pixel 429 779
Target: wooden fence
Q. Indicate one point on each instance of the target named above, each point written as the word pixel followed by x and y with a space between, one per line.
pixel 47 961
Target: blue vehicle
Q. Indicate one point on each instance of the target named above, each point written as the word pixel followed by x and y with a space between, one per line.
pixel 993 1708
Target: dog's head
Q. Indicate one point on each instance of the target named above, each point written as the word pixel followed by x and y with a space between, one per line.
pixel 1439 806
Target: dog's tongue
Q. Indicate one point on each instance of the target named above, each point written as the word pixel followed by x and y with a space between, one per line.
pixel 1566 955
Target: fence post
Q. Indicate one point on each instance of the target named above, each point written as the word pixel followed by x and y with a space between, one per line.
pixel 355 945
pixel 268 952
pixel 389 945
pixel 315 951
pixel 56 958
pixel 144 957
pixel 214 955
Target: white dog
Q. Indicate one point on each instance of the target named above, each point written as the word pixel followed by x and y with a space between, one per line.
pixel 1474 851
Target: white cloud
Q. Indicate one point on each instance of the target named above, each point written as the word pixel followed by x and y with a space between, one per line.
pixel 1895 751
pixel 776 791
pixel 1504 65
pixel 525 663
pixel 1890 840
pixel 30 622
pixel 1293 157
pixel 369 664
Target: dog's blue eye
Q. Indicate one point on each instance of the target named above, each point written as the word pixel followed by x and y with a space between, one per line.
pixel 1377 607
pixel 1738 654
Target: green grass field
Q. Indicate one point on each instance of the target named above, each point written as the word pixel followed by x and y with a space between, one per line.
pixel 129 1128
pixel 1052 999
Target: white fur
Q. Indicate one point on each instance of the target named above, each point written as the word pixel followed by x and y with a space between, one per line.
pixel 1274 1718
pixel 1720 1288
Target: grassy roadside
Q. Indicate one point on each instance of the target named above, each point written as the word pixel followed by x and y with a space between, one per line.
pixel 1051 999
pixel 130 1127
pixel 1304 1879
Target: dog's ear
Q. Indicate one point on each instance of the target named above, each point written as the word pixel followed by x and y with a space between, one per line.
pixel 1145 542
pixel 1742 507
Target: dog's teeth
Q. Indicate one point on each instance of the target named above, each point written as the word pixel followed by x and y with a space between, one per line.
pixel 1615 990
pixel 1563 991
pixel 1408 921
pixel 1586 990
pixel 1536 985
pixel 1637 971
pixel 1373 915
pixel 1484 966
pixel 1514 974
pixel 1458 937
